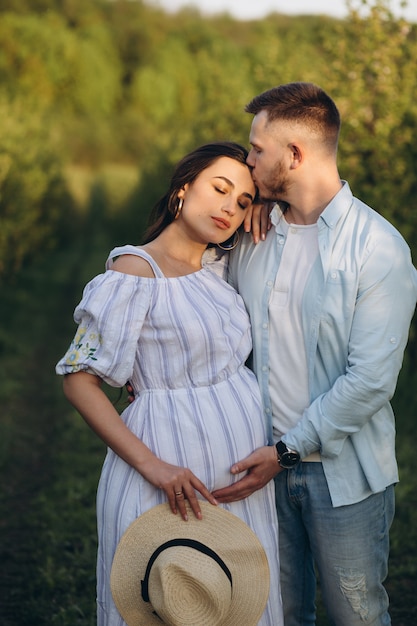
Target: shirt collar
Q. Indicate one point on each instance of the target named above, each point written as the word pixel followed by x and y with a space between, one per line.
pixel 337 206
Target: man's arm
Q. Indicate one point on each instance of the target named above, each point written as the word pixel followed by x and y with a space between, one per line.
pixel 376 340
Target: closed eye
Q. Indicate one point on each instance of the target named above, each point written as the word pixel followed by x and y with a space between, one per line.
pixel 241 203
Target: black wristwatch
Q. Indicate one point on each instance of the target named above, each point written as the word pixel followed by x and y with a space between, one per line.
pixel 287 458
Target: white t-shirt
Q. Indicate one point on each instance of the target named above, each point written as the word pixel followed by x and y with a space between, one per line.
pixel 288 363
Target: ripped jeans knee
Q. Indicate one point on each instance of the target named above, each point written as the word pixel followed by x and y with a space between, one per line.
pixel 354 589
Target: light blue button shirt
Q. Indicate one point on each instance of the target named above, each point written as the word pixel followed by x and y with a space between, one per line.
pixel 357 307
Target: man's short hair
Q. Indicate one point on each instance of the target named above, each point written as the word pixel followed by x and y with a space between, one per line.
pixel 301 102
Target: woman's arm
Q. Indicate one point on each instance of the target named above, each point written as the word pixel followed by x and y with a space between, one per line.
pixel 257 220
pixel 84 392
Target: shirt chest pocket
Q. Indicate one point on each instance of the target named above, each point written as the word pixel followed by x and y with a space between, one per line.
pixel 339 298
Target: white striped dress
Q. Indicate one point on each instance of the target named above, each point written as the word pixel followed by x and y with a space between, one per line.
pixel 182 342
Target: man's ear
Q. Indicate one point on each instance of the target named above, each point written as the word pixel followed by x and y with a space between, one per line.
pixel 297 155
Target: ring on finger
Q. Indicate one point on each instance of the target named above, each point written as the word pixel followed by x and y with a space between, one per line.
pixel 179 493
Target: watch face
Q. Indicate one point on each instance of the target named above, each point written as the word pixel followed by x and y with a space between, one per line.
pixel 289 459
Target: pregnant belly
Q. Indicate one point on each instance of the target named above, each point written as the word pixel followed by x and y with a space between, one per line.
pixel 200 433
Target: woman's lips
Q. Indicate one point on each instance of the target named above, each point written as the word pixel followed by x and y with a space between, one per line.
pixel 221 223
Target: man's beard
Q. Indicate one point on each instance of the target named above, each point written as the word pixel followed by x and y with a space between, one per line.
pixel 277 186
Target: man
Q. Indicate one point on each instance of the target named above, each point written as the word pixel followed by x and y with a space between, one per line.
pixel 331 293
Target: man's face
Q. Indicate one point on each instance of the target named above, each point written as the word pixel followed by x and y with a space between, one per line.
pixel 267 159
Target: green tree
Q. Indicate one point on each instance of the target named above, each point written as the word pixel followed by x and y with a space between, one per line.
pixel 290 49
pixel 43 59
pixel 33 196
pixel 373 69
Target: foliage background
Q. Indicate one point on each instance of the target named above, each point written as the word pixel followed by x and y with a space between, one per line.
pixel 98 99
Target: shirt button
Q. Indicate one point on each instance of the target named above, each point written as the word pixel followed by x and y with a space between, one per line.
pixel 293 231
pixel 334 274
pixel 269 283
pixel 264 368
pixel 265 326
pixel 281 242
pixel 393 340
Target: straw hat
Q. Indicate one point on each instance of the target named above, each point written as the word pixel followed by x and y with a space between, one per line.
pixel 209 572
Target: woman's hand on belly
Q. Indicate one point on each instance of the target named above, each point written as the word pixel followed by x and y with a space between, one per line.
pixel 179 484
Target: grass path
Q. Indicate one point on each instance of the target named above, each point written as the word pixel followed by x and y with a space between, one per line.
pixel 49 459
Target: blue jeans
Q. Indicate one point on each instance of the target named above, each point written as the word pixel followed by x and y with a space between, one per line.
pixel 348 546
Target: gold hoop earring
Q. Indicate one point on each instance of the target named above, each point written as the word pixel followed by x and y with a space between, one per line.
pixel 179 208
pixel 231 243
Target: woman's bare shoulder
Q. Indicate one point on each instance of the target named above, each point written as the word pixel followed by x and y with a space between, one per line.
pixel 133 264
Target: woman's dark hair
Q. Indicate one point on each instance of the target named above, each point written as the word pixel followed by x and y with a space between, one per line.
pixel 186 171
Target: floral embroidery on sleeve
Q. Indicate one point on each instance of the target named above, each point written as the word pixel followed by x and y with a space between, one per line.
pixel 82 347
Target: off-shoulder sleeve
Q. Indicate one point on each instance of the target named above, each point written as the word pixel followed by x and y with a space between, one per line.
pixel 109 317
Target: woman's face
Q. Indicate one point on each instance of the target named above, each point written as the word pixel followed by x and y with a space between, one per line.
pixel 216 203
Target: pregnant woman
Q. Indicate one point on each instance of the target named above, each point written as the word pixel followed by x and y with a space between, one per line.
pixel 162 317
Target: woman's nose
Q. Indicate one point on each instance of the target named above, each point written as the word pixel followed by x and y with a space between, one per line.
pixel 229 207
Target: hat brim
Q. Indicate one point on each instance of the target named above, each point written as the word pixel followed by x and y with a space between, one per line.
pixel 225 533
